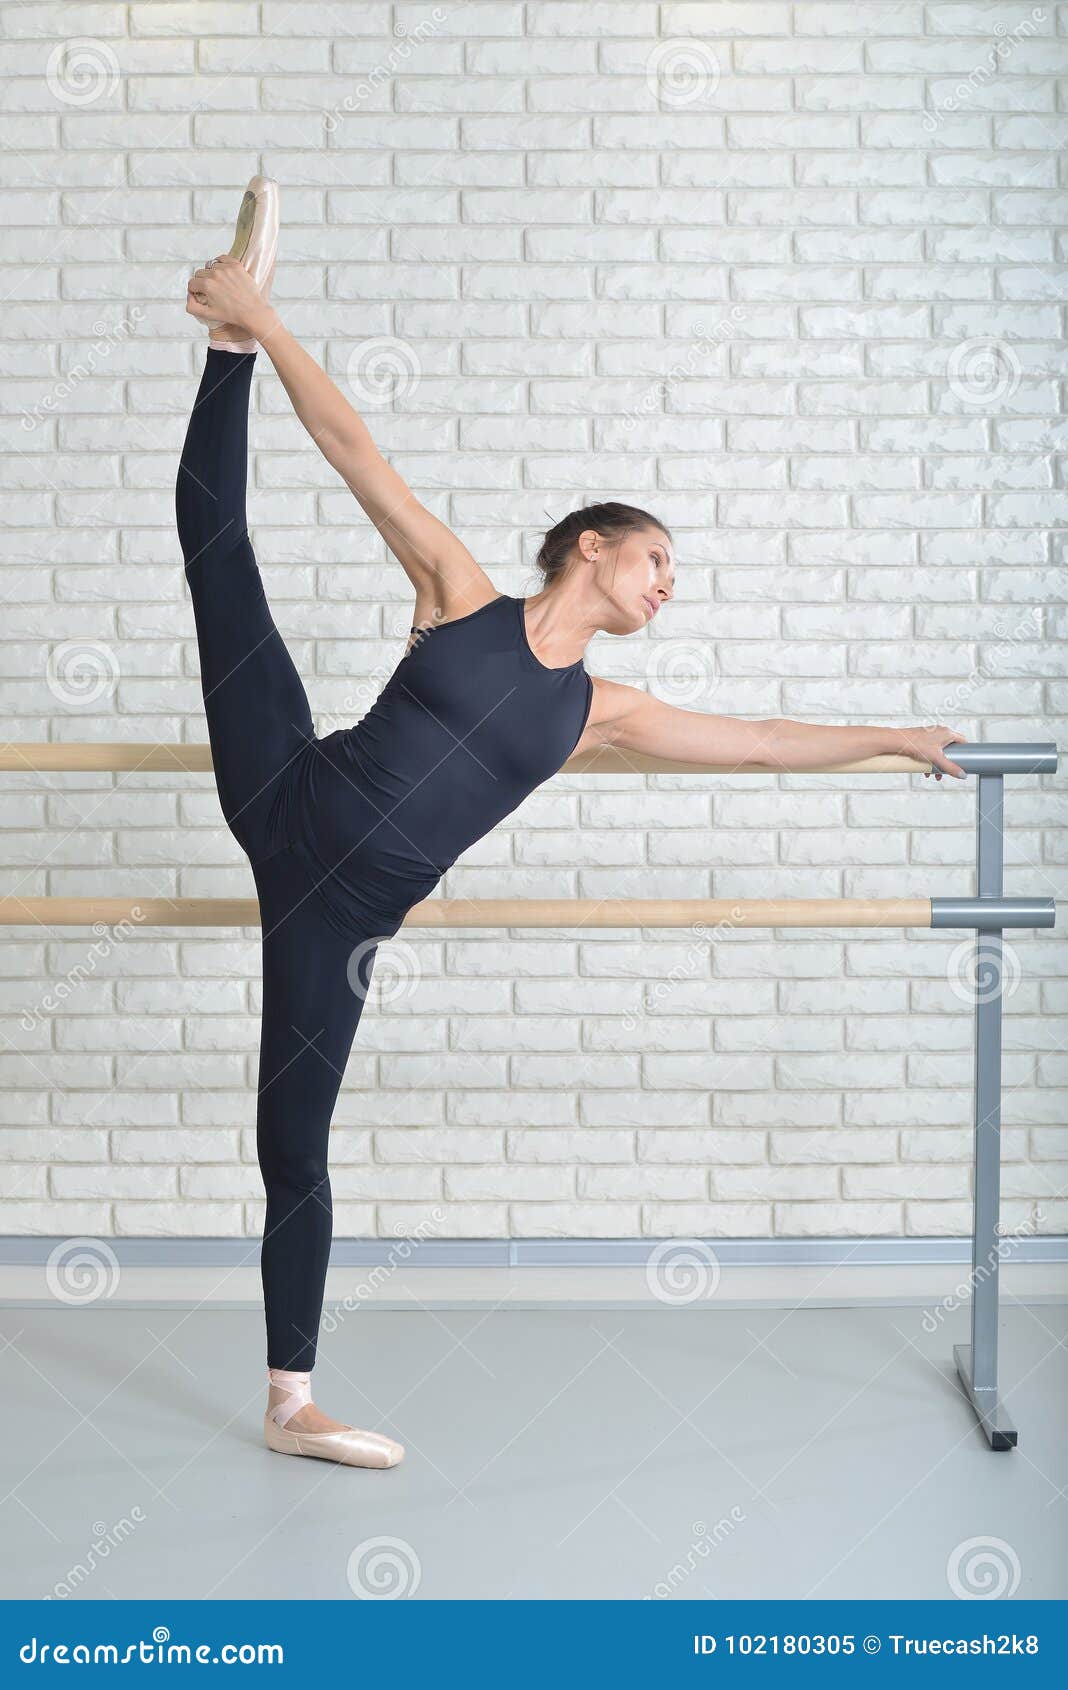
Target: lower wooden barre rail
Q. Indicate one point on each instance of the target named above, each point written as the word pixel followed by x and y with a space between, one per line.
pixel 492 912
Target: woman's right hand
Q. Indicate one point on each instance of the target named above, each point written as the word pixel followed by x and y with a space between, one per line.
pixel 925 744
pixel 224 292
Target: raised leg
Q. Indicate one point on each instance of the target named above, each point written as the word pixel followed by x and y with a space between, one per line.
pixel 256 707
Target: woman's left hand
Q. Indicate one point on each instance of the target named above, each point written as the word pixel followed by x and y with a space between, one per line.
pixel 224 292
pixel 925 744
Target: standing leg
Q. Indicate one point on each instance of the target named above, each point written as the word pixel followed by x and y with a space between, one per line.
pixel 257 710
pixel 315 983
pixel 310 1016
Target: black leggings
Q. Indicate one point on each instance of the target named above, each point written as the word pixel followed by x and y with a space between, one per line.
pixel 315 978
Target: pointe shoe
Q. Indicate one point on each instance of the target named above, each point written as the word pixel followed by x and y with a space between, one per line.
pixel 255 243
pixel 350 1447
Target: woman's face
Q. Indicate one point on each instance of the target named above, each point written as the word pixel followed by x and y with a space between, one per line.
pixel 635 575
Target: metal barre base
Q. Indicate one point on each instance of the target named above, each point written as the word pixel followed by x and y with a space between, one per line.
pixel 986 1403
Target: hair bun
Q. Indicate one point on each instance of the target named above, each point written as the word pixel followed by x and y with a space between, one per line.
pixel 610 519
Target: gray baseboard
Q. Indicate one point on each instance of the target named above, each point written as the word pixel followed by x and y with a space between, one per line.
pixel 547 1252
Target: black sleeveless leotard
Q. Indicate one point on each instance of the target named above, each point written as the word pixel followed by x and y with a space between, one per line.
pixel 469 723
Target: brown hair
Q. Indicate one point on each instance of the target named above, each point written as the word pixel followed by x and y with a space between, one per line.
pixel 610 519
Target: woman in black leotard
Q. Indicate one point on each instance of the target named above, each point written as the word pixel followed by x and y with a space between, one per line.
pixel 346 832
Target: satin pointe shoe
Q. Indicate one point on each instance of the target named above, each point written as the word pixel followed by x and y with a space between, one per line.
pixel 350 1447
pixel 255 244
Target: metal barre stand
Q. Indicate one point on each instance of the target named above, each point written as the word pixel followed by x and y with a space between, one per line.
pixel 989 913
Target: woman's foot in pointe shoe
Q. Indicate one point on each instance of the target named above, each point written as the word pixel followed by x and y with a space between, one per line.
pixel 293 1425
pixel 255 248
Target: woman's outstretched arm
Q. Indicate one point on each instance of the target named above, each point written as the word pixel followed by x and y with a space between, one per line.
pixel 636 721
pixel 447 579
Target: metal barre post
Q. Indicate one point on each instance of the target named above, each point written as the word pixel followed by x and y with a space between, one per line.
pixel 977 1362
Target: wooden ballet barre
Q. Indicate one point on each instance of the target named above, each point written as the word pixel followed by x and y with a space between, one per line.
pixel 132 758
pixel 693 913
pixel 118 757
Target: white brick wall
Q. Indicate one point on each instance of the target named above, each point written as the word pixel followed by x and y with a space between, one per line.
pixel 745 295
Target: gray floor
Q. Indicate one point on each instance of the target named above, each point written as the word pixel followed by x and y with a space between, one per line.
pixel 560 1453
